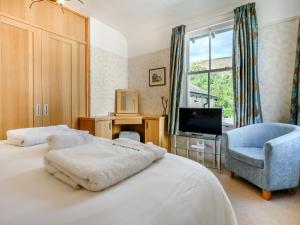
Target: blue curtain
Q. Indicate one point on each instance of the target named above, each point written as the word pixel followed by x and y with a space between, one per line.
pixel 176 75
pixel 295 104
pixel 245 71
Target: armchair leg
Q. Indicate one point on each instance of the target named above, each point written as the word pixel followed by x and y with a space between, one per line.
pixel 232 174
pixel 266 195
pixel 292 191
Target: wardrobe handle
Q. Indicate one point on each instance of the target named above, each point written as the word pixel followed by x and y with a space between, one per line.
pixel 46 110
pixel 37 110
pixel 109 126
pixel 147 125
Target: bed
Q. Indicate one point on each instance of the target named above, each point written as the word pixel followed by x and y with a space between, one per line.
pixel 173 191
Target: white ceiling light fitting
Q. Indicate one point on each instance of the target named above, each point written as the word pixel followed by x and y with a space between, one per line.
pixel 58 2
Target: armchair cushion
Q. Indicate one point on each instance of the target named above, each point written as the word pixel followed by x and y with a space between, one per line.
pixel 251 156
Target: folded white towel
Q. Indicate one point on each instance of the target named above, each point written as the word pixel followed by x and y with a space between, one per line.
pixel 157 151
pixel 38 135
pixel 98 165
pixel 57 142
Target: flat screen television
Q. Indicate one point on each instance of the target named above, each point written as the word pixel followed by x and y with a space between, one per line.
pixel 201 120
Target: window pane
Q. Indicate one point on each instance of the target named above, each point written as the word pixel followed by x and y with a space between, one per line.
pixel 198 91
pixel 199 53
pixel 221 86
pixel 221 49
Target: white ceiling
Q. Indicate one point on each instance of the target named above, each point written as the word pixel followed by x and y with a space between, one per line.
pixel 151 21
pixel 130 16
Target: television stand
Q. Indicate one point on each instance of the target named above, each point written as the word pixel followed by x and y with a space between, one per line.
pixel 189 134
pixel 200 149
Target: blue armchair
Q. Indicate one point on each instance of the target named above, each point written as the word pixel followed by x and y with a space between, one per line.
pixel 266 154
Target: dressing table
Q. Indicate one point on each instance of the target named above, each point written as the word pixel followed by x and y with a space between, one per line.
pixel 152 128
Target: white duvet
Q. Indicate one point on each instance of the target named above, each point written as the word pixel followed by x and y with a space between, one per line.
pixel 173 191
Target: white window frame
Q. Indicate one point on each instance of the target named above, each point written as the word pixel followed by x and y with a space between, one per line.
pixel 194 34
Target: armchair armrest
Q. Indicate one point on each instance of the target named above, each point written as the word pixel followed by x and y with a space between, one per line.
pixel 282 158
pixel 285 146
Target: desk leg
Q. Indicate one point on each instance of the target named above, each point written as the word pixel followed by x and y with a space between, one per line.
pixel 219 156
pixel 220 161
pixel 187 146
pixel 175 144
pixel 215 152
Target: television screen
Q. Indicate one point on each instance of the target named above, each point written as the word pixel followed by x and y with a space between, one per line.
pixel 201 120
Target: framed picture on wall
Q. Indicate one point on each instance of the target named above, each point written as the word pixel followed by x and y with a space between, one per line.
pixel 157 77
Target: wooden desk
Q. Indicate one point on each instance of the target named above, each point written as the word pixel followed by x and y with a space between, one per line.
pixel 151 128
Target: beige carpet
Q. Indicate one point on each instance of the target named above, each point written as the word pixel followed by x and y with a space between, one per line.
pixel 251 209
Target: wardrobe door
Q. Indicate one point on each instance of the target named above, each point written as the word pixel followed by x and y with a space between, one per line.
pixel 79 87
pixel 58 66
pixel 20 47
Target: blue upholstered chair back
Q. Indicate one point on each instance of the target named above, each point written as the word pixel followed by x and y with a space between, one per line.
pixel 259 134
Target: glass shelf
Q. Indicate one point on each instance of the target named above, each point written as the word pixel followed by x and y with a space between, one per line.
pixel 200 136
pixel 199 151
pixel 209 155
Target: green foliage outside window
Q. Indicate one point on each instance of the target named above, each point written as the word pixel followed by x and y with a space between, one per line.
pixel 221 86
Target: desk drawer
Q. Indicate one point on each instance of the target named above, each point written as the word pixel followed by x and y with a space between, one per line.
pixel 128 121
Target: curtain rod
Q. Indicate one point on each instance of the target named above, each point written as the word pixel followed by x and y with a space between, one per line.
pixel 231 19
pixel 227 20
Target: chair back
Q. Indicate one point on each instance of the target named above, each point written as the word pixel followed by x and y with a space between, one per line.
pixel 263 132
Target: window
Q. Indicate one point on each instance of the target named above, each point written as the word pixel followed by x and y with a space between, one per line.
pixel 209 71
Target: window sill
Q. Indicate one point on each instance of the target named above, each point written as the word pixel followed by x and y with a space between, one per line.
pixel 227 127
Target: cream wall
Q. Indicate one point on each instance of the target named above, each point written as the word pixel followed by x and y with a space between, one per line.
pixel 150 97
pixel 276 60
pixel 108 73
pixel 109 67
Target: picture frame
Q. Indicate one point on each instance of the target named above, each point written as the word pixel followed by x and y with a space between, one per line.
pixel 157 77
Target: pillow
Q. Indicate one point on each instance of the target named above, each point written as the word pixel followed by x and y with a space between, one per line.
pixel 57 142
pixel 34 136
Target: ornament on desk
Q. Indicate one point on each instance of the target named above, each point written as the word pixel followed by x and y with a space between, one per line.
pixel 164 102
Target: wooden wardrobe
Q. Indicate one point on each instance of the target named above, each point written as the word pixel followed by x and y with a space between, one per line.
pixel 43 65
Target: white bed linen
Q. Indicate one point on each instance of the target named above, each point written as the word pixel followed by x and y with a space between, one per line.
pixel 173 191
